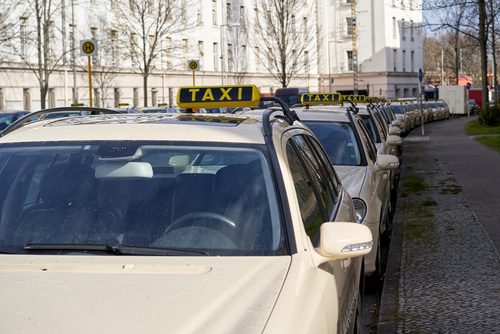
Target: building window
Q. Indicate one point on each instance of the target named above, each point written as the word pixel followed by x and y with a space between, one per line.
pixel 52 97
pixel 349 61
pixel 243 19
pixel 255 20
pixel 412 35
pixel 306 62
pixel 116 95
pixel 229 13
pixel 199 17
pixel 185 48
pixel 294 24
pixel 257 59
pixel 412 61
pixel 230 58
pixel 214 12
pixel 22 34
pixel 26 99
pixel 349 25
pixel 395 59
pixel 403 4
pixel 305 27
pixel 169 53
pixel 201 52
pixel 403 30
pixel 114 47
pixel 244 57
pixel 216 56
pixel 394 28
pixel 404 60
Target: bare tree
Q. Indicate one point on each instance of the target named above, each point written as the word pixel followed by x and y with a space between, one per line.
pixel 7 32
pixel 145 25
pixel 38 36
pixel 285 40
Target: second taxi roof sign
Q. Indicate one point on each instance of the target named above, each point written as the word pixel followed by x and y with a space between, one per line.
pixel 218 96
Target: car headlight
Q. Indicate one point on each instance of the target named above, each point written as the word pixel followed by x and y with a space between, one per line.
pixel 359 209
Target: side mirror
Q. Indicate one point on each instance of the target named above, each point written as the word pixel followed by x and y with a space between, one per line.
pixel 394 140
pixel 387 161
pixel 394 130
pixel 344 240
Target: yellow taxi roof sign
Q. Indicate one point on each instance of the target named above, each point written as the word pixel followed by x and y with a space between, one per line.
pixel 354 98
pixel 321 98
pixel 218 96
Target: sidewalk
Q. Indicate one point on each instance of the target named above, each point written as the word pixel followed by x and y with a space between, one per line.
pixel 443 273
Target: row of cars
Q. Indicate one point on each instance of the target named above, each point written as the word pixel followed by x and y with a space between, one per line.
pixel 261 221
pixel 410 113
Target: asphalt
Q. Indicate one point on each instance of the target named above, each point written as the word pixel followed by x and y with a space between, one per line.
pixel 443 272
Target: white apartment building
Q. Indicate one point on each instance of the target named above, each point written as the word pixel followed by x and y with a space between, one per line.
pixel 220 34
pixel 389 46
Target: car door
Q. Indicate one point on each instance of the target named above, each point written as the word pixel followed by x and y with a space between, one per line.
pixel 312 165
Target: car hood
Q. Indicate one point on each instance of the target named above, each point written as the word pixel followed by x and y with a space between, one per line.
pixel 352 178
pixel 89 294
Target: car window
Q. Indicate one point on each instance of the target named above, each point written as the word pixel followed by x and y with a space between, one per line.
pixel 339 142
pixel 372 128
pixel 310 209
pixel 216 199
pixel 328 174
pixel 367 142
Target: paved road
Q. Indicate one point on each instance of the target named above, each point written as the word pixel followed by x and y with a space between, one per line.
pixel 476 168
pixel 444 266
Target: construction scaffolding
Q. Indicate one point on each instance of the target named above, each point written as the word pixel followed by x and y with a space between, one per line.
pixel 355 67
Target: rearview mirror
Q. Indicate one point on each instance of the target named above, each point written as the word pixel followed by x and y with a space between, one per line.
pixel 111 170
pixel 344 240
pixel 387 161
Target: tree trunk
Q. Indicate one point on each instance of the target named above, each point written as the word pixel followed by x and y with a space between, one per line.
pixel 494 50
pixel 483 45
pixel 145 87
pixel 39 52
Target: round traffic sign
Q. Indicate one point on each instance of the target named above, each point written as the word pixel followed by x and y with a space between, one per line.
pixel 88 47
pixel 193 64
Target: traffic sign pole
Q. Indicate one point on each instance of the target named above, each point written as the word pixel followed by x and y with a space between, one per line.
pixel 194 81
pixel 420 79
pixel 90 81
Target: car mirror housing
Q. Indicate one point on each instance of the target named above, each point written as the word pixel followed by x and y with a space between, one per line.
pixel 344 240
pixel 394 140
pixel 394 130
pixel 387 161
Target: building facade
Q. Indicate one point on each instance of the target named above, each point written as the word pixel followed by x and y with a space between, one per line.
pixel 222 35
pixel 389 46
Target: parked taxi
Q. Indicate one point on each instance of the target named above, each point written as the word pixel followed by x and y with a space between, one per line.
pixel 176 223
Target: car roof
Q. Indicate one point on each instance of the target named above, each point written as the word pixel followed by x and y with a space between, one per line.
pixel 171 127
pixel 323 113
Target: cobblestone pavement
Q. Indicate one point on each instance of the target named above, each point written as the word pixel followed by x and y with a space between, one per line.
pixel 444 270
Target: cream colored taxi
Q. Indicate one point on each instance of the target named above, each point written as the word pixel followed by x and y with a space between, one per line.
pixel 176 223
pixel 362 170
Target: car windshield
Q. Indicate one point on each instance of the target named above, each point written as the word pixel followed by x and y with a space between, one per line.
pixel 397 109
pixel 339 142
pixel 217 200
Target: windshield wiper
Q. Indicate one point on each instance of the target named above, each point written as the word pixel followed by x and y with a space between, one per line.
pixel 114 250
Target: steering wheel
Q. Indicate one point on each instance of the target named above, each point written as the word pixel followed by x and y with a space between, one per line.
pixel 211 220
